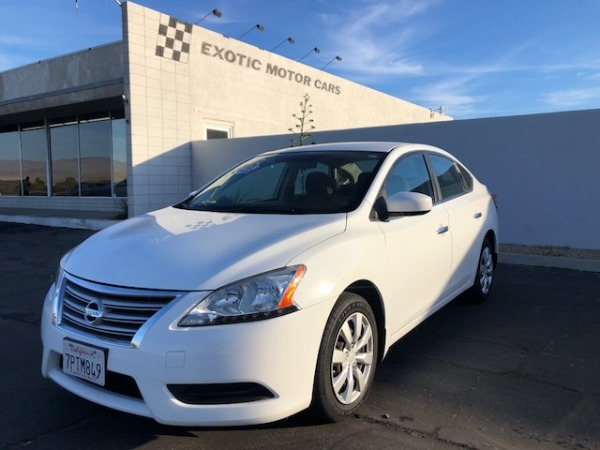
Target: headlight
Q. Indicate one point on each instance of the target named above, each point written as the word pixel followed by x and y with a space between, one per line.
pixel 261 297
pixel 58 286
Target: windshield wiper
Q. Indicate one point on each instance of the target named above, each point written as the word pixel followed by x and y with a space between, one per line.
pixel 241 209
pixel 251 210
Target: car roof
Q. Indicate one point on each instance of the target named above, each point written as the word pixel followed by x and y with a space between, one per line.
pixel 367 146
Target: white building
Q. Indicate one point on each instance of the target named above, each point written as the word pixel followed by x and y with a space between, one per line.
pixel 120 121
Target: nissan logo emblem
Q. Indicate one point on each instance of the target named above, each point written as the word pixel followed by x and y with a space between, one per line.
pixel 94 311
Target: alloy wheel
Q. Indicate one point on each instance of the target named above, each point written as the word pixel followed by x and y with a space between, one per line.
pixel 353 358
pixel 486 270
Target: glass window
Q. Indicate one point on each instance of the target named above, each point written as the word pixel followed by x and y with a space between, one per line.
pixel 448 176
pixel 409 175
pixel 95 150
pixel 34 150
pixel 217 132
pixel 303 177
pixel 88 156
pixel 255 186
pixel 293 182
pixel 119 164
pixel 64 143
pixel 467 177
pixel 10 161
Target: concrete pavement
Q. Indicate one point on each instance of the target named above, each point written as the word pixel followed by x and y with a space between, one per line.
pixel 519 371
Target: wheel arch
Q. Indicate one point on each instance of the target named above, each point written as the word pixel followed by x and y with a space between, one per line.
pixel 491 236
pixel 371 294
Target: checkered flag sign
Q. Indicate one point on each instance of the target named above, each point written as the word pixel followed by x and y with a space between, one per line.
pixel 174 39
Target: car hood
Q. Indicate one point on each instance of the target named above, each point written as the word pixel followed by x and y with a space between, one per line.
pixel 175 249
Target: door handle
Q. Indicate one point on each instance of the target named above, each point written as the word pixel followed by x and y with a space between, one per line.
pixel 477 215
pixel 442 230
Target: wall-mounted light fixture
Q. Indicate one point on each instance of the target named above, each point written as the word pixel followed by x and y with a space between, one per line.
pixel 290 40
pixel 336 58
pixel 439 110
pixel 316 50
pixel 258 26
pixel 215 12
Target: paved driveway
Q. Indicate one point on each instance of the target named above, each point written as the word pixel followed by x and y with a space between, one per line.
pixel 520 371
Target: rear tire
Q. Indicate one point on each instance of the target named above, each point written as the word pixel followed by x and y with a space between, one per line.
pixel 484 277
pixel 347 359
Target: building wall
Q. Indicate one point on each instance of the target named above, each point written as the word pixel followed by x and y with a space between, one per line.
pixel 256 92
pixel 74 78
pixel 543 167
pixel 60 87
pixel 158 108
pixel 105 206
pixel 181 78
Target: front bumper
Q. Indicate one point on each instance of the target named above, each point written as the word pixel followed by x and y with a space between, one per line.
pixel 278 354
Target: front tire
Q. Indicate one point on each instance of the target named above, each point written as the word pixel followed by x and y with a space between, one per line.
pixel 347 359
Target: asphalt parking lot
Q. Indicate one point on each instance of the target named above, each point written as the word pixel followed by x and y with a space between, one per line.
pixel 518 372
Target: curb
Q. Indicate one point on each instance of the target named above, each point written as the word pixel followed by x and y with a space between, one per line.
pixel 559 262
pixel 64 222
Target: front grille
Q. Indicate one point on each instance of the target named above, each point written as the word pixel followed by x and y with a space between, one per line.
pixel 108 312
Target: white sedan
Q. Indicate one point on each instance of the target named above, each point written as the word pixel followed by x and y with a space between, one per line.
pixel 277 287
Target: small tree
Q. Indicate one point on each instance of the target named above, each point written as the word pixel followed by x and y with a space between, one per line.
pixel 304 126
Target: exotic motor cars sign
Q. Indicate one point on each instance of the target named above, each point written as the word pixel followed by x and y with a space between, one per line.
pixel 249 62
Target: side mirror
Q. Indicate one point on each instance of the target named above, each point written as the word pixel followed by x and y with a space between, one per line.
pixel 408 203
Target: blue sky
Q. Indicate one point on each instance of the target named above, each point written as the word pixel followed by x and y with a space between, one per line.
pixel 476 58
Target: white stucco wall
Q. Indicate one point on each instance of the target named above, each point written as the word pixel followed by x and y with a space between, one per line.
pixel 158 109
pixel 544 167
pixel 257 92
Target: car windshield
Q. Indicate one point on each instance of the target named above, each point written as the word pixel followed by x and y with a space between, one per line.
pixel 293 182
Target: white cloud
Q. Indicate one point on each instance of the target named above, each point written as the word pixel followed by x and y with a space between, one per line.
pixel 572 97
pixel 6 39
pixel 377 38
pixel 451 94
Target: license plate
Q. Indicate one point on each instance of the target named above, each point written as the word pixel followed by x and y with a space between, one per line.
pixel 84 361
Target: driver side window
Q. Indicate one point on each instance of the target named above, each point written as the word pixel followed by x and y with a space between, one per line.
pixel 409 175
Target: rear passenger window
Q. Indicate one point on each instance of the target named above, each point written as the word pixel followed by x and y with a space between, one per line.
pixel 467 177
pixel 448 176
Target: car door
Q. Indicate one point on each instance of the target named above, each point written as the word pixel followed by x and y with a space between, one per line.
pixel 418 247
pixel 465 218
